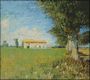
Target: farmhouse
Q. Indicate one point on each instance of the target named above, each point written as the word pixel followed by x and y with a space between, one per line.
pixel 30 43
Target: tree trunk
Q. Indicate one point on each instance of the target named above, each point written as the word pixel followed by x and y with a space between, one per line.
pixel 71 49
pixel 77 46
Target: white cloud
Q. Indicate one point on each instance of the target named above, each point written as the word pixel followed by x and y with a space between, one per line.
pixel 4 23
pixel 27 33
pixel 22 33
pixel 4 29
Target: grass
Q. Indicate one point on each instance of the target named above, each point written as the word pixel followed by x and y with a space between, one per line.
pixel 20 63
pixel 23 63
pixel 85 51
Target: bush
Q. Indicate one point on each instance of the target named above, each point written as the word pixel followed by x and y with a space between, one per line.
pixel 71 69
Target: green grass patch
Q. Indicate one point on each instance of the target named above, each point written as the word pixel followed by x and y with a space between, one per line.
pixel 18 62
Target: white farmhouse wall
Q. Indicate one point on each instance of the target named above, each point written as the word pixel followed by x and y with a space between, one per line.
pixel 25 45
pixel 35 45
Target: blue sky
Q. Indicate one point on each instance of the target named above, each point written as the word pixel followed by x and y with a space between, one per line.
pixel 24 20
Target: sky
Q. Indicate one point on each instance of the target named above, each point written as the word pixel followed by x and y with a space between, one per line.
pixel 24 20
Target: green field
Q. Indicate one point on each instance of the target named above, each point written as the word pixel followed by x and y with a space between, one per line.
pixel 22 63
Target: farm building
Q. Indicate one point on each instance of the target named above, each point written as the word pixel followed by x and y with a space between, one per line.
pixel 34 43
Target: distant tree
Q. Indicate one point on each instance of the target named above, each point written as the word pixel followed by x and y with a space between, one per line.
pixel 22 44
pixel 16 42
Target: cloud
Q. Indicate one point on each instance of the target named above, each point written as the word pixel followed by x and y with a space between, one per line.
pixel 4 23
pixel 22 32
pixel 4 29
pixel 28 33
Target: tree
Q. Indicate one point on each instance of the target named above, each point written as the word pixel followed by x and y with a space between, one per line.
pixel 69 16
pixel 16 42
pixel 22 44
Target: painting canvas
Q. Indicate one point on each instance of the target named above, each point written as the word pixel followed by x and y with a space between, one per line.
pixel 44 39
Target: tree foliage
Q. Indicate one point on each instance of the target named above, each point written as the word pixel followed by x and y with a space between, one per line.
pixel 68 16
pixel 16 42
